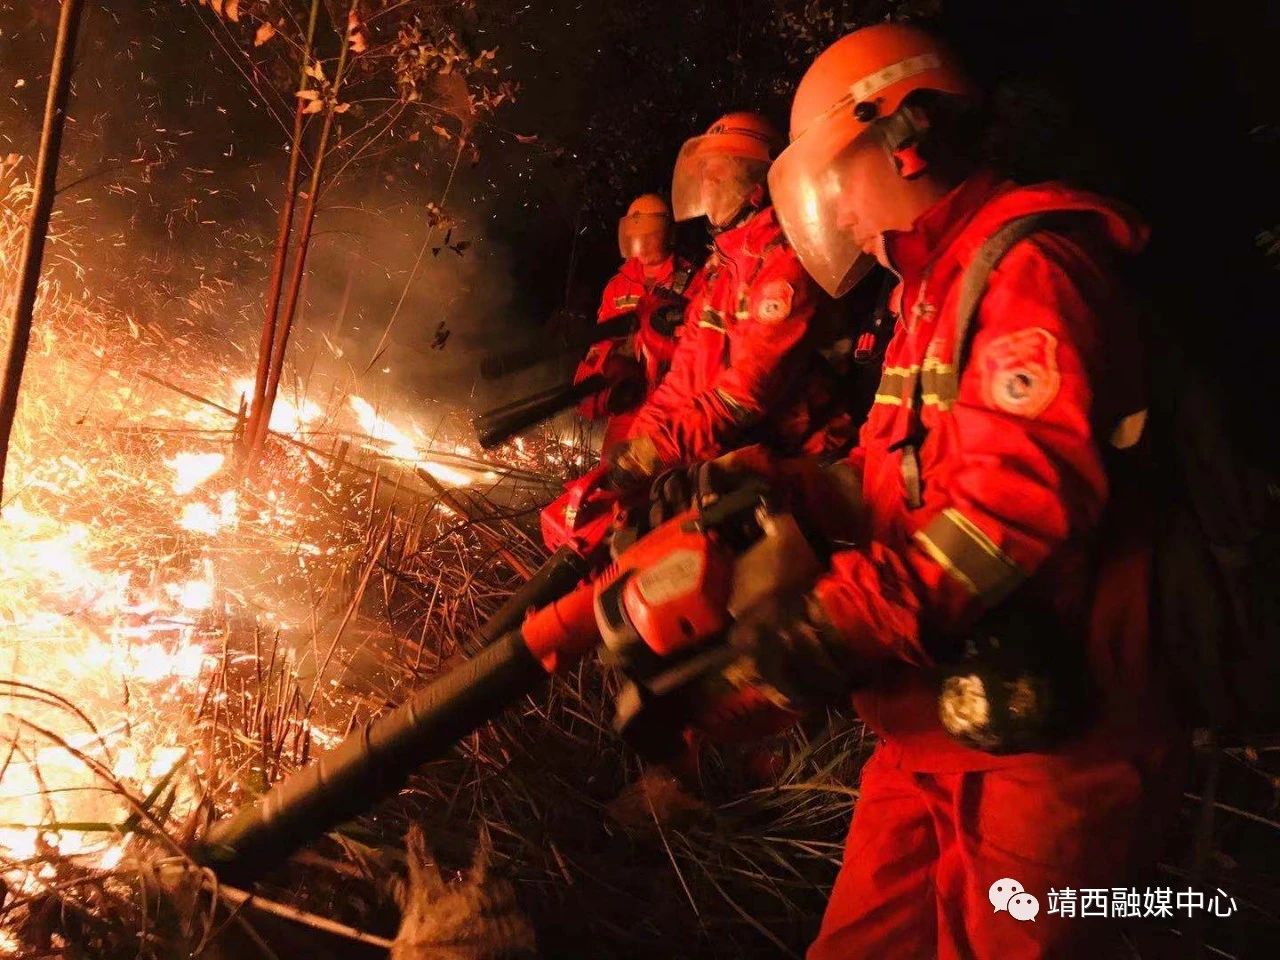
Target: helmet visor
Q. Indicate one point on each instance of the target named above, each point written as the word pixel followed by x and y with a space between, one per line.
pixel 707 180
pixel 644 235
pixel 810 184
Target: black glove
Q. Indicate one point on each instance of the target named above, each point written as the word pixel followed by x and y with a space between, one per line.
pixel 796 653
pixel 677 490
pixel 671 494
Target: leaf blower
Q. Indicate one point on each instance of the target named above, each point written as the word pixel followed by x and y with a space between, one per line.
pixel 659 613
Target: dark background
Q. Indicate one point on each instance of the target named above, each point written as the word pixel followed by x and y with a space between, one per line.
pixel 1171 107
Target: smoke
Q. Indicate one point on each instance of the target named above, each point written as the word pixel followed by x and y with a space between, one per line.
pixel 171 181
pixel 399 306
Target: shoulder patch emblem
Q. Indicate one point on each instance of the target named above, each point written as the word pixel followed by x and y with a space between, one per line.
pixel 774 303
pixel 1020 372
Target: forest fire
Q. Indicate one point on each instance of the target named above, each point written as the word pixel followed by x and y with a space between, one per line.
pixel 436 432
pixel 103 657
pixel 137 569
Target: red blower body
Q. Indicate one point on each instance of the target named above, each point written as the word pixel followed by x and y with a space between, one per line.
pixel 662 609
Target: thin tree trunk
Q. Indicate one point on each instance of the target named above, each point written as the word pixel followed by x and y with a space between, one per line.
pixel 282 243
pixel 285 324
pixel 55 114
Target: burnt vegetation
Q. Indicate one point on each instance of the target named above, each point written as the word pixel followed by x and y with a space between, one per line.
pixel 203 588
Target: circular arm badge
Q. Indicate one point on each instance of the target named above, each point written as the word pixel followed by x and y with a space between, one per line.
pixel 774 302
pixel 1020 372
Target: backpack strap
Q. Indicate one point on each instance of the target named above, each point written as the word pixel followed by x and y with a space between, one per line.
pixel 680 280
pixel 973 284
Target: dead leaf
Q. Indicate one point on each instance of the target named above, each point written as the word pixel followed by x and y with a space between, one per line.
pixel 315 106
pixel 441 131
pixel 453 97
pixel 307 95
pixel 341 107
pixel 415 136
pixel 231 10
pixel 315 70
pixel 263 34
pixel 531 138
pixel 357 36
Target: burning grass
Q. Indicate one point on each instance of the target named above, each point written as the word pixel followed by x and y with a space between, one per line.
pixel 170 635
pixel 174 638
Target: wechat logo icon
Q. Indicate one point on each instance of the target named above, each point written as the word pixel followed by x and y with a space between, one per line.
pixel 1008 895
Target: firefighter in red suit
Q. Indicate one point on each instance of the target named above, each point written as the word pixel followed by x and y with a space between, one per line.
pixel 650 271
pixel 973 483
pixel 741 365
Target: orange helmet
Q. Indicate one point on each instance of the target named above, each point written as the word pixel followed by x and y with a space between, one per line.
pixel 747 138
pixel 649 204
pixel 857 84
pixel 646 229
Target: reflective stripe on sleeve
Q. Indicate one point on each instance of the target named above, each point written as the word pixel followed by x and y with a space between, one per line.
pixel 969 555
pixel 895 382
pixel 741 414
pixel 711 317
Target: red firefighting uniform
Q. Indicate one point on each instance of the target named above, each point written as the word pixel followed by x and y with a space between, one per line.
pixel 741 366
pixel 1011 490
pixel 653 352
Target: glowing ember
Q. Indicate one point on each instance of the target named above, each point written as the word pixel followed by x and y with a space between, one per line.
pixel 111 857
pixel 198 518
pixel 195 595
pixel 396 443
pixel 193 469
pixel 201 518
pixel 286 416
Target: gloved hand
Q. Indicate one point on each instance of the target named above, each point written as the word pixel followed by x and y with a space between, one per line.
pixel 701 484
pixel 632 463
pixel 625 373
pixel 791 651
pixel 673 492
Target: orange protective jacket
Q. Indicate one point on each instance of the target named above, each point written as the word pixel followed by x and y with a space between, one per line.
pixel 742 363
pixel 651 350
pixel 1010 469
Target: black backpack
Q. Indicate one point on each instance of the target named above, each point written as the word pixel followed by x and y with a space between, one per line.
pixel 1217 555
